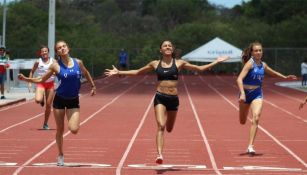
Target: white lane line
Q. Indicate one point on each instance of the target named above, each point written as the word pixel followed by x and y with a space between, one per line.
pixel 38 115
pixel 7 164
pixel 272 104
pixel 261 128
pixel 168 166
pixel 262 168
pixel 20 123
pixel 284 95
pixel 18 170
pixel 124 157
pixel 16 105
pixel 205 139
pixel 74 164
pixel 286 111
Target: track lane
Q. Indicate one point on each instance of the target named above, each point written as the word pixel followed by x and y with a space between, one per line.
pixel 16 115
pixel 184 149
pixel 264 144
pixel 105 134
pixel 104 139
pixel 280 116
pixel 33 140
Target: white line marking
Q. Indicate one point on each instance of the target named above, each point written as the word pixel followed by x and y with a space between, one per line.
pixel 12 126
pixel 268 168
pixel 7 164
pixel 74 164
pixel 284 95
pixel 198 166
pixel 272 104
pixel 262 168
pixel 18 170
pixel 16 105
pixel 38 115
pixel 286 111
pixel 205 139
pixel 137 165
pixel 168 166
pixel 121 163
pixel 261 128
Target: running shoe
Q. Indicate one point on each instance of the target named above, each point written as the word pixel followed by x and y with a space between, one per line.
pixel 60 160
pixel 250 150
pixel 159 159
pixel 45 126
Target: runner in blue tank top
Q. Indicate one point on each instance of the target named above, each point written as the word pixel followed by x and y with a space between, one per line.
pixel 69 80
pixel 166 101
pixel 66 101
pixel 250 85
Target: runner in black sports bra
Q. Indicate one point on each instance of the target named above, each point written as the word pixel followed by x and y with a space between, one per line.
pixel 169 73
pixel 166 101
pixel 171 102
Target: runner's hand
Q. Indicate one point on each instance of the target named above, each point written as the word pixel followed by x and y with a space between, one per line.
pixel 110 72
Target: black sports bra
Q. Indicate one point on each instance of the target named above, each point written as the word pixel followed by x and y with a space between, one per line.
pixel 170 73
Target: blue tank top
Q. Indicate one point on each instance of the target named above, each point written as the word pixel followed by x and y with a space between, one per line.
pixel 255 75
pixel 69 80
pixel 123 58
pixel 170 73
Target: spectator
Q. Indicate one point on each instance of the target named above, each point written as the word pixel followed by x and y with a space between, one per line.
pixel 122 59
pixel 177 53
pixel 3 65
pixel 304 72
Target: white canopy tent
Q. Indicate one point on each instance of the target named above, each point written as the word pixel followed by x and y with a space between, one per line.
pixel 213 49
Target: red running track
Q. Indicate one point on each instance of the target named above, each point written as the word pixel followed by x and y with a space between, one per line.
pixel 118 128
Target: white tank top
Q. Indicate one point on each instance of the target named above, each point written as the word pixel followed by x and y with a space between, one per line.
pixel 43 67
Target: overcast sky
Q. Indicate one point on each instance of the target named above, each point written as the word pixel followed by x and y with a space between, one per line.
pixel 227 3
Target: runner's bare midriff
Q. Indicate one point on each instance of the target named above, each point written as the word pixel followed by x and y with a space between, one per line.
pixel 167 87
pixel 245 86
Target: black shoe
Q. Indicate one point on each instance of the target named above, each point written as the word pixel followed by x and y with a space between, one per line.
pixel 3 97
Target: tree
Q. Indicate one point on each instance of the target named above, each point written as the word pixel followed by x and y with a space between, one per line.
pixel 273 11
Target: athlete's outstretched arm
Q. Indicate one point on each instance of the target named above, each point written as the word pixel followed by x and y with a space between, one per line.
pixel 272 72
pixel 52 69
pixel 115 71
pixel 35 66
pixel 189 66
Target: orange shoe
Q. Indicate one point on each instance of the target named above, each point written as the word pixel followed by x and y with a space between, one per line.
pixel 159 159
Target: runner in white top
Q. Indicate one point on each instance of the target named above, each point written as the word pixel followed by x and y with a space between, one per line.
pixel 43 66
pixel 304 72
pixel 46 88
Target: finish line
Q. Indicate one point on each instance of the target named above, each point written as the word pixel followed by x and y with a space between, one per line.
pixel 92 165
pixel 7 164
pixel 262 168
pixel 167 166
